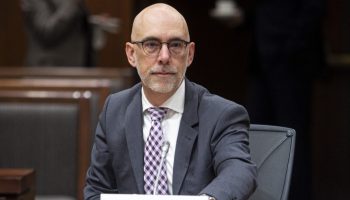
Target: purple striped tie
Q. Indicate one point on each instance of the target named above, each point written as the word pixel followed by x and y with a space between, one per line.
pixel 153 151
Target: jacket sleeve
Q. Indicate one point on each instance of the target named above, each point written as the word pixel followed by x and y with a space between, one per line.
pixel 235 172
pixel 100 175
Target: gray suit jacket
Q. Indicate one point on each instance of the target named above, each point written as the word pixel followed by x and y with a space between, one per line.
pixel 212 153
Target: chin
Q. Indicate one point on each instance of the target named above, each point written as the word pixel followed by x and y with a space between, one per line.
pixel 163 88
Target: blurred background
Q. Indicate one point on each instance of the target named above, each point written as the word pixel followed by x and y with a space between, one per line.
pixel 258 53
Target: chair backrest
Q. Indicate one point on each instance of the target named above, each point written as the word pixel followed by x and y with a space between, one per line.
pixel 49 132
pixel 272 149
pixel 99 89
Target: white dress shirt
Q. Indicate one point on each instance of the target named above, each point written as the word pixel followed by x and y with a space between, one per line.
pixel 170 125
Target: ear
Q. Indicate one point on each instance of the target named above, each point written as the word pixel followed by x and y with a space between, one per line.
pixel 191 50
pixel 130 53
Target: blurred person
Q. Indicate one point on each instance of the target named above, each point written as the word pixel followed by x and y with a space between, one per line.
pixel 205 136
pixel 287 55
pixel 59 33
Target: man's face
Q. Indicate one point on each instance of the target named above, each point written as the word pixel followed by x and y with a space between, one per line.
pixel 161 72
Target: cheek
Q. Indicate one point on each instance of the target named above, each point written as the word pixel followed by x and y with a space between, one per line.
pixel 182 64
pixel 142 71
pixel 143 66
pixel 141 63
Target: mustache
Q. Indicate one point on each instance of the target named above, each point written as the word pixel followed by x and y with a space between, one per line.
pixel 163 69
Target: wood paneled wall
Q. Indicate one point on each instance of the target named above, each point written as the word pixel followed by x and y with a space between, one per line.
pixel 12 35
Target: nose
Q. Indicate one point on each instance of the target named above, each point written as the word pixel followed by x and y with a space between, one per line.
pixel 164 54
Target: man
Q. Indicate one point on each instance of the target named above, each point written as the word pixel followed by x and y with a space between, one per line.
pixel 208 150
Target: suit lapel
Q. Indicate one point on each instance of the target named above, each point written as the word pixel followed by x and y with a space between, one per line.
pixel 134 138
pixel 186 138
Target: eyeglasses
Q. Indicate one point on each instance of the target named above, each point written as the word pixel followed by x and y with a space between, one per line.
pixel 152 47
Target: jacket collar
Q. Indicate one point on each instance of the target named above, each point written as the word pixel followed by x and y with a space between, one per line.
pixel 187 136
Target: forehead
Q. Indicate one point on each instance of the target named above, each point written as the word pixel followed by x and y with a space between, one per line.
pixel 160 24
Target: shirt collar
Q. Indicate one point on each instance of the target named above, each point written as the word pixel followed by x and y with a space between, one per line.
pixel 176 102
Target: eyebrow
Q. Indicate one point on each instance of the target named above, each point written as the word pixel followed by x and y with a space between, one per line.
pixel 155 38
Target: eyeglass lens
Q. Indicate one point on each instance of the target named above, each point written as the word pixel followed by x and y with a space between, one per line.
pixel 153 47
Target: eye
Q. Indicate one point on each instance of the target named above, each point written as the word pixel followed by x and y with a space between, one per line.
pixel 176 44
pixel 151 44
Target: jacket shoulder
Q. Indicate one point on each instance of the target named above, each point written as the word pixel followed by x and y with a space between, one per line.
pixel 208 99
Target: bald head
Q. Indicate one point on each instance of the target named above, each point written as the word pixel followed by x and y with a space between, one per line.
pixel 161 17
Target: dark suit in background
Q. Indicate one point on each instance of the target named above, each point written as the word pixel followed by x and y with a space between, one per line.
pixel 287 55
pixel 58 33
pixel 212 154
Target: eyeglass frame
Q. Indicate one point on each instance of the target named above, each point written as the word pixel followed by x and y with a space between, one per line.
pixel 186 43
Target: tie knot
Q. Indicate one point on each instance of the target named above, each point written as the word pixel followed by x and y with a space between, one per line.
pixel 157 113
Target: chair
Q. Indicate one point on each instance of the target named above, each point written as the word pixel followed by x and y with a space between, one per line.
pixel 272 149
pixel 48 131
pixel 98 89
